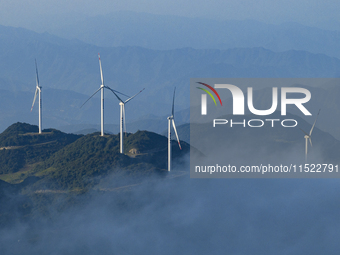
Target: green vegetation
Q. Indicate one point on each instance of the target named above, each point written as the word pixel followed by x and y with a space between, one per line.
pixel 18 177
pixel 76 162
pixel 88 157
pixel 21 146
pixel 144 141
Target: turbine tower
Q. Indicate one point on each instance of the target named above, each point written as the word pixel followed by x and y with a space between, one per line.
pixel 172 120
pixel 38 89
pixel 308 137
pixel 122 116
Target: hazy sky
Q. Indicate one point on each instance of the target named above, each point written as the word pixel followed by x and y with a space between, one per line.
pixel 324 13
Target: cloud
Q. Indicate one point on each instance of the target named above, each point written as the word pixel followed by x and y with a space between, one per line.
pixel 190 216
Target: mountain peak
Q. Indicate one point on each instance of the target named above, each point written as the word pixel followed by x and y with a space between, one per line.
pixel 21 128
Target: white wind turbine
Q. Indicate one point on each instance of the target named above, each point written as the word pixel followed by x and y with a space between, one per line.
pixel 171 119
pixel 308 137
pixel 122 116
pixel 102 97
pixel 38 89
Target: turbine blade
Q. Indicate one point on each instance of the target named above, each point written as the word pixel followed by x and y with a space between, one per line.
pixel 173 103
pixel 310 140
pixel 120 93
pixel 310 132
pixel 114 93
pixel 101 70
pixel 306 146
pixel 36 70
pixel 173 124
pixel 133 96
pixel 304 132
pixel 90 97
pixel 35 97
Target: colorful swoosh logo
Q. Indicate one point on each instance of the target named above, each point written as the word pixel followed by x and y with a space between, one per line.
pixel 209 93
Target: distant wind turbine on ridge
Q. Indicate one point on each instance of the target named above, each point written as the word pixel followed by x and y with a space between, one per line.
pixel 38 89
pixel 309 137
pixel 172 120
pixel 122 116
pixel 101 88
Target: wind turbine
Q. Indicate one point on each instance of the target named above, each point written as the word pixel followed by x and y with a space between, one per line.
pixel 308 137
pixel 122 116
pixel 101 88
pixel 171 119
pixel 38 89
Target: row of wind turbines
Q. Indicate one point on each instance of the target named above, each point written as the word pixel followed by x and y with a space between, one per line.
pixel 171 120
pixel 122 111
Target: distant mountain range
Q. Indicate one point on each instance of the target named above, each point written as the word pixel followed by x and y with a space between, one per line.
pixel 162 32
pixel 69 74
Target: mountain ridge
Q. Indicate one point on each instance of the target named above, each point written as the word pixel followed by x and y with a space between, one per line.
pixel 164 32
pixel 68 160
